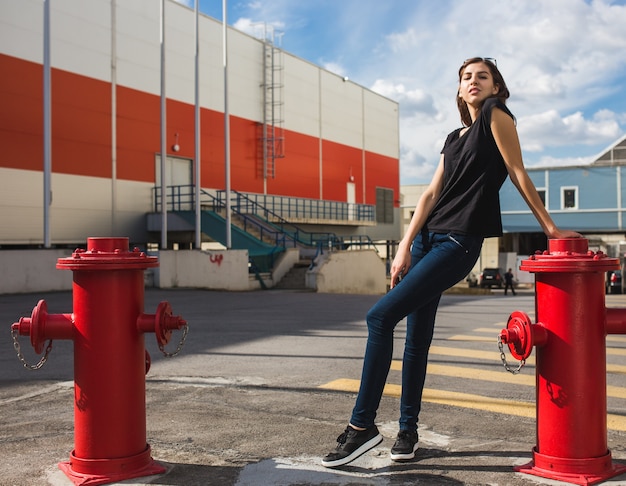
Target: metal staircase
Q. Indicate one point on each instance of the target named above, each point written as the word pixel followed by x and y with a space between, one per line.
pixel 257 228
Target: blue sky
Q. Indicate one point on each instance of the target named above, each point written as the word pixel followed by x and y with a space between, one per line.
pixel 564 62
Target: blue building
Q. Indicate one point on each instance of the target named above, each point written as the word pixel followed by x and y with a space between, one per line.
pixel 589 199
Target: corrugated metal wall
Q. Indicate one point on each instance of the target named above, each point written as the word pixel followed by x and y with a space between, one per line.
pixel 335 131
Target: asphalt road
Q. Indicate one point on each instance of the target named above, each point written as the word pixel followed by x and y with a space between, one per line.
pixel 264 384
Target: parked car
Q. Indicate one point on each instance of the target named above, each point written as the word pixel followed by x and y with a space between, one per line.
pixel 491 277
pixel 472 280
pixel 613 283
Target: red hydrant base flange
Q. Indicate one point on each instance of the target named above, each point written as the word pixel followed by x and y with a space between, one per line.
pixel 93 472
pixel 587 471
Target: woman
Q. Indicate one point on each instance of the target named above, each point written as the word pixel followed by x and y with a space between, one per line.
pixel 458 210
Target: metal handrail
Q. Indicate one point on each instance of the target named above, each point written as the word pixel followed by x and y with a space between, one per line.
pixel 182 198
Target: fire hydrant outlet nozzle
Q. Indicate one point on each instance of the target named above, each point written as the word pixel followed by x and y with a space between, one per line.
pixel 521 335
pixel 33 326
pixel 42 327
pixel 162 323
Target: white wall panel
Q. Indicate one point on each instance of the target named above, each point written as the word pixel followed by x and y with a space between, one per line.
pixel 21 206
pixel 211 65
pixel 134 200
pixel 130 73
pixel 138 45
pixel 134 196
pixel 180 52
pixel 342 114
pixel 21 29
pixel 139 58
pixel 81 207
pixel 301 96
pixel 245 76
pixel 381 125
pixel 81 37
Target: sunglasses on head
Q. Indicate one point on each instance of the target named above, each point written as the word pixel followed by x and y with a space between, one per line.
pixel 492 60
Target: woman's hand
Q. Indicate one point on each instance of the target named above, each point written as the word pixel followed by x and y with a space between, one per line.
pixel 558 234
pixel 400 264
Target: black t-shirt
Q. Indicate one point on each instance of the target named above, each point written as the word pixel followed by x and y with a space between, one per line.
pixel 474 171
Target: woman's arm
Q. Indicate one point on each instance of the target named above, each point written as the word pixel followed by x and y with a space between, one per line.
pixel 427 200
pixel 505 135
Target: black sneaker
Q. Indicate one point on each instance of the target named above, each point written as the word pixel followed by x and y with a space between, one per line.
pixel 352 444
pixel 405 446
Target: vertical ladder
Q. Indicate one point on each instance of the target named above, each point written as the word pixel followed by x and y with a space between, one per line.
pixel 273 138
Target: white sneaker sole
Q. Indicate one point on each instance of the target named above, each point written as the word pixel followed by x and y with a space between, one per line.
pixel 373 442
pixel 404 457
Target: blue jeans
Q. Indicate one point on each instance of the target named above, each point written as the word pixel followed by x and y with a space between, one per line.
pixel 438 261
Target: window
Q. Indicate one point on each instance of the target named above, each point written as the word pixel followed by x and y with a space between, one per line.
pixel 384 205
pixel 569 197
pixel 542 195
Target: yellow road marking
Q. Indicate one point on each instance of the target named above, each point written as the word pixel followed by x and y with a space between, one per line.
pixel 458 399
pixel 474 353
pixel 495 376
pixel 464 337
pixel 466 400
pixel 483 339
pixel 613 368
pixel 495 332
pixel 491 356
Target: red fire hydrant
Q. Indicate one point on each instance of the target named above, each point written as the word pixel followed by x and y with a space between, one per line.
pixel 110 360
pixel 569 337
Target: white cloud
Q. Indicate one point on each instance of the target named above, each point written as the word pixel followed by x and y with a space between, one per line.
pixel 412 102
pixel 401 41
pixel 561 59
pixel 564 62
pixel 551 129
pixel 335 67
pixel 259 30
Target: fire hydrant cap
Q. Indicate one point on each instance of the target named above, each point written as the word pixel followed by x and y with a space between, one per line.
pixel 569 255
pixel 107 254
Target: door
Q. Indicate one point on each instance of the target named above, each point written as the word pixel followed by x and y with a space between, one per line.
pixel 351 198
pixel 178 181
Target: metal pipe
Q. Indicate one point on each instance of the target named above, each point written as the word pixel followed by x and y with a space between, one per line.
pixel 226 125
pixel 163 135
pixel 47 125
pixel 197 137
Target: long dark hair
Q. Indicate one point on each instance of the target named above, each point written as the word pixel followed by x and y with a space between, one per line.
pixel 503 91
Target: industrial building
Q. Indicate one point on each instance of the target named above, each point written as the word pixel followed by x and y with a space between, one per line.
pixel 107 106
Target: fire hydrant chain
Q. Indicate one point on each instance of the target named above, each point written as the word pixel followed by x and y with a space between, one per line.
pixel 20 356
pixel 504 362
pixel 180 344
